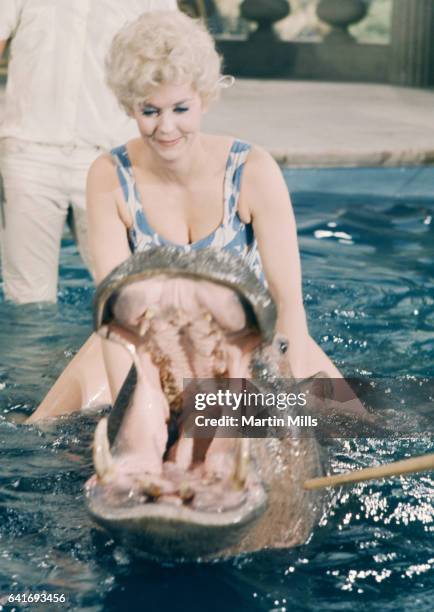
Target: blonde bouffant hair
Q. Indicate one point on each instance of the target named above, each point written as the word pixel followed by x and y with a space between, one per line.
pixel 162 47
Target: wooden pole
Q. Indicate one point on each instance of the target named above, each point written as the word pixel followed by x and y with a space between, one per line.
pixel 406 466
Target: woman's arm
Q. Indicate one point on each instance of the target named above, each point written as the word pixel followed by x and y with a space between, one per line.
pixel 267 203
pixel 84 382
pixel 265 200
pixel 108 244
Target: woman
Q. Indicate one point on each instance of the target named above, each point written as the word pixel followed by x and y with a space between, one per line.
pixel 174 184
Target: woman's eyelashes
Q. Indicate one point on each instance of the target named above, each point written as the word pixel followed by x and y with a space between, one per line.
pixel 155 112
pixel 149 112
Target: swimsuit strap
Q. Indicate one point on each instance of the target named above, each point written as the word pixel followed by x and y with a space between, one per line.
pixel 126 178
pixel 232 184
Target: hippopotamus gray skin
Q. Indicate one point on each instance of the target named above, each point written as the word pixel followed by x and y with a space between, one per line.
pixel 202 314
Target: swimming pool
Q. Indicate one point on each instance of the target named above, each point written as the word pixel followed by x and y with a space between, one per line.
pixel 367 247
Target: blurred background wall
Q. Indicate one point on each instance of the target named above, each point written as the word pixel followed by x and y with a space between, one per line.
pixel 388 41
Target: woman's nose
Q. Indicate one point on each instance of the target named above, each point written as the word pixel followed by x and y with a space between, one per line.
pixel 166 123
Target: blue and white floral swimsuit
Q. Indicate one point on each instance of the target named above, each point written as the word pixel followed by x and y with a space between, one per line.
pixel 232 235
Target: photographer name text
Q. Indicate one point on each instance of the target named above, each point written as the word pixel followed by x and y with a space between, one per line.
pixel 247 400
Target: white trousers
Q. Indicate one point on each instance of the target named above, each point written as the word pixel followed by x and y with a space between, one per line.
pixel 40 183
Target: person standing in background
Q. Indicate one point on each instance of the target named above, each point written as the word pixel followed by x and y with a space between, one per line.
pixel 59 116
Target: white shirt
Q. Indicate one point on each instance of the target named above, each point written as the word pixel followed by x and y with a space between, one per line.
pixel 56 91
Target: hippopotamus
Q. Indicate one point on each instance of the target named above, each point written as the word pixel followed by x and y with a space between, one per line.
pixel 157 487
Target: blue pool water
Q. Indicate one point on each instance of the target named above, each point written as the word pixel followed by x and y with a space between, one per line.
pixel 368 253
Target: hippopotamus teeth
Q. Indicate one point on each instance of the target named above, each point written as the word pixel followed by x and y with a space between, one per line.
pixel 186 492
pixel 154 486
pixel 241 463
pixel 174 500
pixel 149 314
pixel 102 458
pixel 143 328
pixel 151 489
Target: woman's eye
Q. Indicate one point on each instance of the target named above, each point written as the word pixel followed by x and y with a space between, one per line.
pixel 149 112
pixel 181 109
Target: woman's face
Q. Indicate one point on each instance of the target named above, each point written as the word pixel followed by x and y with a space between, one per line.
pixel 170 119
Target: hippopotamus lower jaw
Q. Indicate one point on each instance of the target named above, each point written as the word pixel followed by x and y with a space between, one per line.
pixel 178 513
pixel 164 530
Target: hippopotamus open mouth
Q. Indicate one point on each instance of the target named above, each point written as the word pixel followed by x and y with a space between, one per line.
pixel 181 316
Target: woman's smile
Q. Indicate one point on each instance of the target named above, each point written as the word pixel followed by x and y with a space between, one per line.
pixel 168 143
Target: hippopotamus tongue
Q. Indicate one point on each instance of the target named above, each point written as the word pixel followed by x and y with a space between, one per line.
pixel 196 315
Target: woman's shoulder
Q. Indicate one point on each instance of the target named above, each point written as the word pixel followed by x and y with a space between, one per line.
pixel 260 168
pixel 260 158
pixel 104 167
pixel 102 173
pixel 263 182
pixel 117 155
